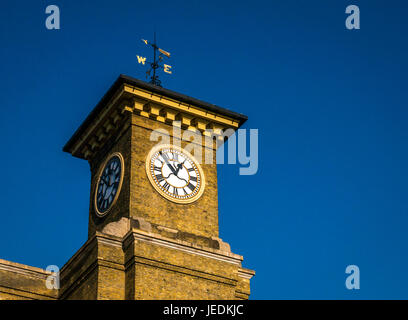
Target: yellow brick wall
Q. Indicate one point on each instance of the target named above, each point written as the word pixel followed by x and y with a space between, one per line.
pixel 138 198
pixel 141 265
pixel 121 144
pixel 200 217
pixel 156 271
pixel 18 281
pixel 156 283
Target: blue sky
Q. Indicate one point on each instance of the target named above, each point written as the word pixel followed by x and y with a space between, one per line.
pixel 330 105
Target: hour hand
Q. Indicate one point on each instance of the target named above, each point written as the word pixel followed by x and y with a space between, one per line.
pixel 179 166
pixel 104 180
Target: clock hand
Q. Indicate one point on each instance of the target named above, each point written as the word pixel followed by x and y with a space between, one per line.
pixel 112 180
pixel 179 166
pixel 108 192
pixel 103 179
pixel 168 163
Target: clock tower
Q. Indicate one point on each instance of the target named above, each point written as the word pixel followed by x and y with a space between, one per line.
pixel 153 213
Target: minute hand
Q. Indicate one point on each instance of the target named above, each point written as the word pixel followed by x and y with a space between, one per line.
pixel 168 163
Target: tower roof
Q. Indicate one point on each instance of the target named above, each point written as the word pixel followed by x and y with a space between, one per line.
pixel 236 119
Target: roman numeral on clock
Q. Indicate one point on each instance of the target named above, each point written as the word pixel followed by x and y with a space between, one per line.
pixel 166 186
pixel 164 156
pixel 159 177
pixel 191 186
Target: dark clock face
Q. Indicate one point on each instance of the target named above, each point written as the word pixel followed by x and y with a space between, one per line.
pixel 109 184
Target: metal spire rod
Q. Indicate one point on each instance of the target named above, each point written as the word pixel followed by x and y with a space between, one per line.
pixel 155 80
pixel 157 58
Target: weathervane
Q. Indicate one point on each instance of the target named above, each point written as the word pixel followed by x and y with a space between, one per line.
pixel 157 59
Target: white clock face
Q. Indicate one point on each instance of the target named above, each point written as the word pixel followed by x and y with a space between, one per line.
pixel 175 174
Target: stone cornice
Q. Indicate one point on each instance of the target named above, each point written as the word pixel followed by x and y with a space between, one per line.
pixel 136 97
pixel 27 295
pixel 23 269
pixel 246 273
pixel 101 129
pixel 98 238
pixel 138 235
pixel 167 109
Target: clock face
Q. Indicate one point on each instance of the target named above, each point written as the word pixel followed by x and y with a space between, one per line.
pixel 109 184
pixel 175 174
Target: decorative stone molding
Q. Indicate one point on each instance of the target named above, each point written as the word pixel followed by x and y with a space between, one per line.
pixel 224 256
pixel 188 119
pixel 117 228
pixel 142 224
pixel 110 115
pixel 169 230
pixel 221 245
pixel 246 273
pixel 24 269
